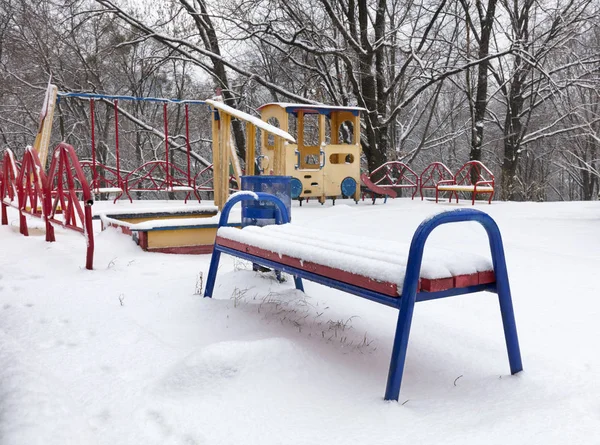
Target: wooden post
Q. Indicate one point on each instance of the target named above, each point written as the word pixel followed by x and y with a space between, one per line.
pixel 250 148
pixel 42 139
pixel 356 138
pixel 216 148
pixel 335 128
pixel 322 130
pixel 224 158
pixel 235 160
pixel 279 164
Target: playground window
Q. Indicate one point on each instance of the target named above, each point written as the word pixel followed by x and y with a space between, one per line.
pixel 312 159
pixel 270 138
pixel 311 130
pixel 346 133
pixel 341 158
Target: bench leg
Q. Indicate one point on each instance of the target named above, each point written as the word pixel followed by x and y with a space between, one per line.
pixel 509 324
pixel 212 273
pixel 392 390
pixel 298 283
pixel 505 299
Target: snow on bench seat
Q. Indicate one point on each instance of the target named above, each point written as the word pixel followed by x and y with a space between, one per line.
pixel 375 264
pixel 465 188
pixel 108 190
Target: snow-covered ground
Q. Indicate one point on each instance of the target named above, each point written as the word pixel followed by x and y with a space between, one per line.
pixel 130 354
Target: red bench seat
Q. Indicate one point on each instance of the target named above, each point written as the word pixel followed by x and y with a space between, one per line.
pixel 377 265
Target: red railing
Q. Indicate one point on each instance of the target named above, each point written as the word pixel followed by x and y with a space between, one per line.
pixel 395 175
pixel 29 185
pixel 34 193
pixel 8 183
pixel 432 175
pixel 472 174
pixel 101 178
pixel 159 176
pixel 46 196
pixel 66 178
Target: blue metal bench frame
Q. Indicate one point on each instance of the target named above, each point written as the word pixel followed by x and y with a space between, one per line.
pixel 406 302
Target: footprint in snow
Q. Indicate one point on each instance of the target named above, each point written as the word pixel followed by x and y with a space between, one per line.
pixel 220 365
pixel 157 425
pixel 156 422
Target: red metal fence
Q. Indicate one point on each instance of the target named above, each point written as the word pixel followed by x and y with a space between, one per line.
pixel 54 198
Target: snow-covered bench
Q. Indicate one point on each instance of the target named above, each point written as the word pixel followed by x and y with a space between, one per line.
pixel 473 177
pixel 397 276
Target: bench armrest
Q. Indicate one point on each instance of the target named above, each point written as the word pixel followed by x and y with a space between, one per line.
pixel 446 181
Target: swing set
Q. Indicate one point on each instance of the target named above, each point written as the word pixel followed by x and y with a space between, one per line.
pixel 158 175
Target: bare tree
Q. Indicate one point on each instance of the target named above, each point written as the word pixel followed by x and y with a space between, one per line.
pixel 526 79
pixel 482 33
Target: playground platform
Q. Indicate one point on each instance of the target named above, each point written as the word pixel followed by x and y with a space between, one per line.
pixel 164 226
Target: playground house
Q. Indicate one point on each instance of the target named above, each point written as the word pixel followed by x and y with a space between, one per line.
pixel 325 161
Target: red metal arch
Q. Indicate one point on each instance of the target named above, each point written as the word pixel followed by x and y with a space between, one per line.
pixel 25 188
pixel 395 175
pixel 8 182
pixel 434 173
pixel 66 179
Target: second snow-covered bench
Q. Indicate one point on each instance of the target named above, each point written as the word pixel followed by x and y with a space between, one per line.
pixel 395 275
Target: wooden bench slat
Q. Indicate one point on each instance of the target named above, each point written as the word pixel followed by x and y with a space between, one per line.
pixel 385 288
pixel 465 188
pixel 382 260
pixel 108 190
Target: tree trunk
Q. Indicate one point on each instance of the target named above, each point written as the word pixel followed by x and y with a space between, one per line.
pixel 211 43
pixel 481 100
pixel 512 137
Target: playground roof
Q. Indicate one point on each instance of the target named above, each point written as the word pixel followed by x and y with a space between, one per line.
pixel 252 119
pixel 309 108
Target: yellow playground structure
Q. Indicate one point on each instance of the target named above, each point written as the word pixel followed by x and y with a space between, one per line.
pixel 318 146
pixel 324 162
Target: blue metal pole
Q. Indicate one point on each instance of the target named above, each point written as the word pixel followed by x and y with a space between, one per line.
pixel 212 272
pixel 281 217
pixel 504 297
pixel 298 283
pixel 411 279
pixel 407 305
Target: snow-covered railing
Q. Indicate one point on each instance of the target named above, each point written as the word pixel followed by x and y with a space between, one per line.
pixel 395 175
pixel 29 185
pixel 46 196
pixel 473 177
pixel 66 178
pixel 432 175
